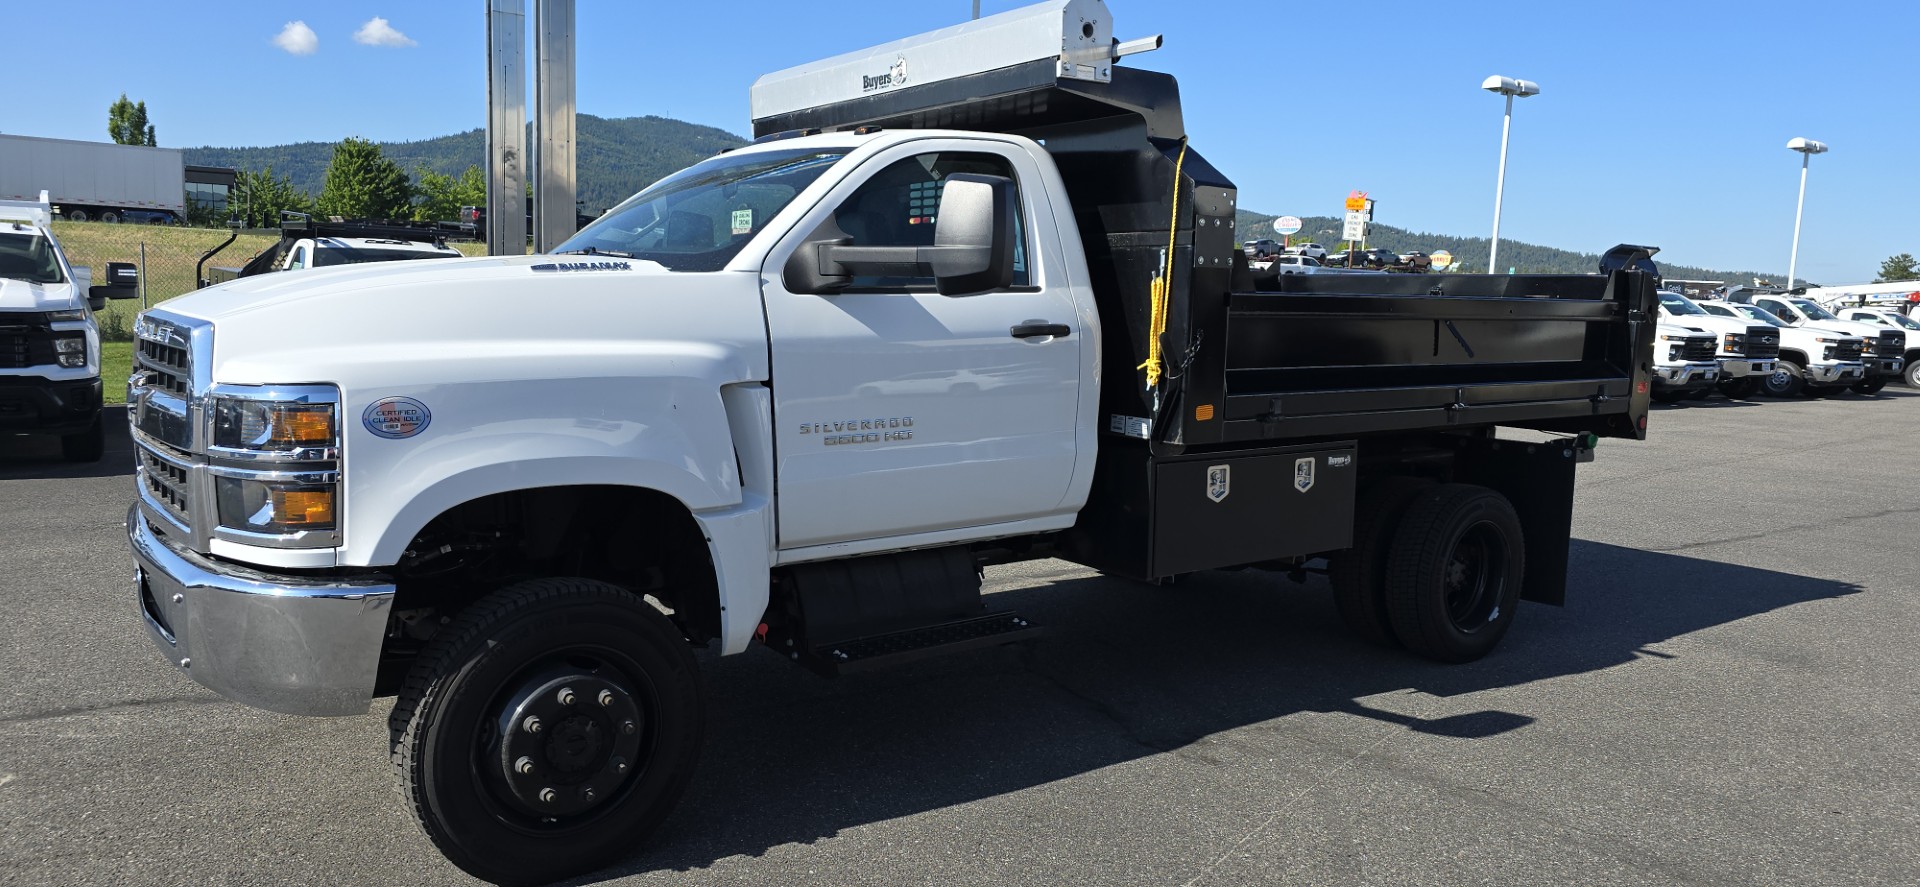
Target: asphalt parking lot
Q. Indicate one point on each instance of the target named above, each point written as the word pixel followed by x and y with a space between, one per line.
pixel 1728 699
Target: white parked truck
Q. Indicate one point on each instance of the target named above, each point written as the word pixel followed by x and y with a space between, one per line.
pixel 49 343
pixel 1892 317
pixel 796 396
pixel 94 181
pixel 1684 363
pixel 1813 361
pixel 1885 350
pixel 307 243
pixel 1747 350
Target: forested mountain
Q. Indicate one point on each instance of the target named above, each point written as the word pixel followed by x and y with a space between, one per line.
pixel 1525 258
pixel 615 157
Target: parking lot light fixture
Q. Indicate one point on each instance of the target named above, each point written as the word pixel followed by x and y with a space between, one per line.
pixel 1807 148
pixel 1511 88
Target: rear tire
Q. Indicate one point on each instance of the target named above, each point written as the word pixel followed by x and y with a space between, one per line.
pixel 613 695
pixel 85 446
pixel 1870 386
pixel 1359 574
pixel 110 217
pixel 1669 397
pixel 74 215
pixel 1454 573
pixel 1786 380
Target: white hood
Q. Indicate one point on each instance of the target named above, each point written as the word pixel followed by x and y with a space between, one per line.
pixel 19 295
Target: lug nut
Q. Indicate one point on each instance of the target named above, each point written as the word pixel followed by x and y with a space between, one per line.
pixel 186 663
pixel 179 598
pixel 630 727
pixel 606 698
pixel 565 696
pixel 531 724
pixel 523 766
pixel 619 764
pixel 547 795
pixel 586 794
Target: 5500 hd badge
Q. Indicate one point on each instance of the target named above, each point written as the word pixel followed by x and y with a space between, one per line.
pixel 859 431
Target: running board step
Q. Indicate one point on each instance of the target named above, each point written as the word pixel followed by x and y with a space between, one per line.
pixel 882 650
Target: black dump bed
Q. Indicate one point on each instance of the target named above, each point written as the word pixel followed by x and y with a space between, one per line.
pixel 1257 362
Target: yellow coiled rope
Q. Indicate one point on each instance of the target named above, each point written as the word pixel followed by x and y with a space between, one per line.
pixel 1162 286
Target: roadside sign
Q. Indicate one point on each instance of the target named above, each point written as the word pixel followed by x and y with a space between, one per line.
pixel 1355 228
pixel 1357 202
pixel 1286 225
pixel 1441 258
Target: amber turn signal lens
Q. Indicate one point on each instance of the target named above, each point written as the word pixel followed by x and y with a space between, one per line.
pixel 300 509
pixel 302 428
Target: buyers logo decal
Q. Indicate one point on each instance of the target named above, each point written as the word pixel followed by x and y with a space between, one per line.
pixel 396 417
pixel 1303 474
pixel 894 76
pixel 1219 481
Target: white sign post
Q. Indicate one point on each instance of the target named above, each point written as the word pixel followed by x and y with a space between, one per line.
pixel 1355 229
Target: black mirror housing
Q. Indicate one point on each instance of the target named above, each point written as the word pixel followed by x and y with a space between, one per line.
pixel 125 274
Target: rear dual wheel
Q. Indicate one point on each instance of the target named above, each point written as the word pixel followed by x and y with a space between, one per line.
pixel 547 730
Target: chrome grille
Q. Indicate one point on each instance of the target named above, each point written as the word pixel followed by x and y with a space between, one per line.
pixel 1762 342
pixel 168 366
pixel 167 483
pixel 1848 349
pixel 1699 348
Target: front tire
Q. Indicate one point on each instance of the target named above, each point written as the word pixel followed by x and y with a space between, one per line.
pixel 1454 573
pixel 1669 397
pixel 1741 388
pixel 1786 380
pixel 548 730
pixel 1912 374
pixel 1870 386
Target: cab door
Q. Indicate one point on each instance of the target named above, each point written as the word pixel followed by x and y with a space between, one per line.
pixel 900 411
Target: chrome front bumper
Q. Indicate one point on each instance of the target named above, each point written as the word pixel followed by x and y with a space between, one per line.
pixel 292 644
pixel 1741 367
pixel 1836 372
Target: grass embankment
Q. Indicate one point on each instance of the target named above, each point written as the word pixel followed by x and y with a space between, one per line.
pixel 171 255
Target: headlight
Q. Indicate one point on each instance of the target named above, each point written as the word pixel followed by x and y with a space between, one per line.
pixel 273 426
pixel 1824 341
pixel 1668 337
pixel 75 314
pixel 275 506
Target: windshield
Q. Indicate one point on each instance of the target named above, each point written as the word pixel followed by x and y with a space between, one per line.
pixel 1902 320
pixel 1813 309
pixel 28 257
pixel 1755 312
pixel 1678 304
pixel 347 255
pixel 698 219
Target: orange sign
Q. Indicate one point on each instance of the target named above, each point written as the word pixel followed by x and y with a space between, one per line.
pixel 1357 202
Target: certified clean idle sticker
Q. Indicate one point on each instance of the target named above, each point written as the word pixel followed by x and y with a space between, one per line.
pixel 396 417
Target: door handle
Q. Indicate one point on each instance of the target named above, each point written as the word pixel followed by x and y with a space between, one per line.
pixel 1030 330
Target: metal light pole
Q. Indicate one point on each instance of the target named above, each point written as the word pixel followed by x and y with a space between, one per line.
pixel 1511 88
pixel 1807 148
pixel 976 8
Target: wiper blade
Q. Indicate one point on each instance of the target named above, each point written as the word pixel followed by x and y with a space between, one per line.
pixel 594 251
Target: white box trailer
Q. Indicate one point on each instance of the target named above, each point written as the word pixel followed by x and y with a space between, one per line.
pixel 94 180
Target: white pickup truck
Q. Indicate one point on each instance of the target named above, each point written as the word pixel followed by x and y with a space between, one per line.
pixel 1892 318
pixel 1747 351
pixel 1885 347
pixel 1683 363
pixel 1813 361
pixel 796 396
pixel 49 343
pixel 307 243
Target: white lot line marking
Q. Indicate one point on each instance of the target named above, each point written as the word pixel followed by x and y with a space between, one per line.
pixel 1249 837
pixel 5 778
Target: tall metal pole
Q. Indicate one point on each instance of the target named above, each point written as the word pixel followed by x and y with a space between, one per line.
pixel 976 8
pixel 1499 188
pixel 506 127
pixel 553 124
pixel 1793 260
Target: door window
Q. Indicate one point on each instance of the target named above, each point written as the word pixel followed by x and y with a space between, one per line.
pixel 299 259
pixel 900 206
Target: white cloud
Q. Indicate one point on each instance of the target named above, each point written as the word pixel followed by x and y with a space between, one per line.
pixel 376 32
pixel 297 39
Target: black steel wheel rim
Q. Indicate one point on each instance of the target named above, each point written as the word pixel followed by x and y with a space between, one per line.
pixel 1474 576
pixel 593 733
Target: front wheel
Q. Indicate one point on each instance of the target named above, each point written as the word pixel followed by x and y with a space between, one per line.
pixel 1669 397
pixel 85 446
pixel 1870 386
pixel 1454 573
pixel 1786 380
pixel 547 730
pixel 1912 374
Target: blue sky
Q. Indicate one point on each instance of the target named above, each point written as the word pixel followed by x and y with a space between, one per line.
pixel 1659 122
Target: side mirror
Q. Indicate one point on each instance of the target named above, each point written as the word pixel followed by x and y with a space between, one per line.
pixel 123 282
pixel 972 252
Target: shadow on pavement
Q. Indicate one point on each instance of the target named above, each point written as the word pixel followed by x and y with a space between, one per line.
pixel 1131 671
pixel 31 456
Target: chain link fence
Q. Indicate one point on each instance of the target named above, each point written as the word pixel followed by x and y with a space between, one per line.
pixel 167 257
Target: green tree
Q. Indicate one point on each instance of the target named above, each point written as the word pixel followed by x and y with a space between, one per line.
pixel 438 196
pixel 127 123
pixel 363 184
pixel 1900 267
pixel 258 198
